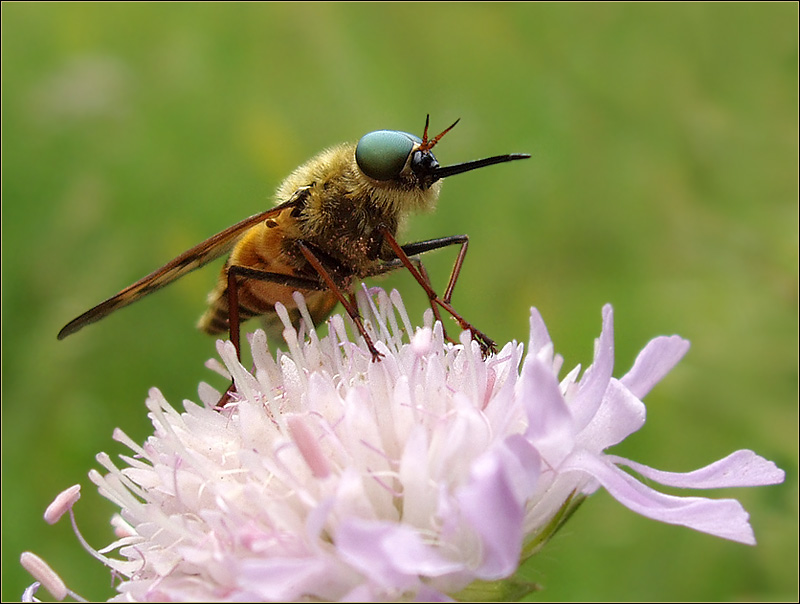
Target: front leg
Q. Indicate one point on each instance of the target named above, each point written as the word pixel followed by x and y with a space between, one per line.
pixel 402 253
pixel 420 247
pixel 326 277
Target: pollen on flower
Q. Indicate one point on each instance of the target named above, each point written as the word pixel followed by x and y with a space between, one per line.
pixel 334 477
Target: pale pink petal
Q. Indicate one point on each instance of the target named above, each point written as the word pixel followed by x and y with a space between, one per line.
pixel 539 337
pixel 369 593
pixel 389 554
pixel 281 579
pixel 724 518
pixel 523 465
pixel 740 469
pixel 29 595
pixel 409 554
pixel 550 424
pixel 654 362
pixel 594 382
pixel 620 415
pixel 489 503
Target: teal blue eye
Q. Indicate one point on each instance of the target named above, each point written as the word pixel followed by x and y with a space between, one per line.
pixel 382 154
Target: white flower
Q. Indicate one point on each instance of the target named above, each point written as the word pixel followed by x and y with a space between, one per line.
pixel 329 476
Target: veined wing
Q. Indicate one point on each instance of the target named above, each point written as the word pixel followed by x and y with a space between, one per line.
pixel 192 259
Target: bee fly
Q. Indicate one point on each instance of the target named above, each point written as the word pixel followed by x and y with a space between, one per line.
pixel 334 224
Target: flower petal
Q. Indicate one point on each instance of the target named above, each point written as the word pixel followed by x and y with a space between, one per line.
pixel 282 579
pixel 551 428
pixel 389 554
pixel 740 469
pixel 539 337
pixel 492 506
pixel 620 414
pixel 654 362
pixel 724 518
pixel 594 382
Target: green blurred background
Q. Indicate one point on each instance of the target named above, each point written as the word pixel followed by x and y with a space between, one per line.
pixel 663 180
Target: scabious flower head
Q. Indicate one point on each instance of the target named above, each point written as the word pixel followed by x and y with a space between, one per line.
pixel 428 475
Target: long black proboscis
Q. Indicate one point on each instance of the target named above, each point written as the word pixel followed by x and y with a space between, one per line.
pixel 475 164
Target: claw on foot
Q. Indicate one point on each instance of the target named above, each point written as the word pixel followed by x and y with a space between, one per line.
pixel 488 346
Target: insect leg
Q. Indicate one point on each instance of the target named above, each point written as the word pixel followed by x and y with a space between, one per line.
pixel 421 247
pixel 402 252
pixel 342 297
pixel 433 244
pixel 396 263
pixel 236 272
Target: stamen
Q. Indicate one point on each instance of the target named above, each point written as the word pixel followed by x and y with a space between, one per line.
pixel 42 572
pixel 309 447
pixel 421 342
pixel 62 504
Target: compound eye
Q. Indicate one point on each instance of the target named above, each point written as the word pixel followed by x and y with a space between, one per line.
pixel 383 154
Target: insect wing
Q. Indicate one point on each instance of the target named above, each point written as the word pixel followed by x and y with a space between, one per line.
pixel 198 256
